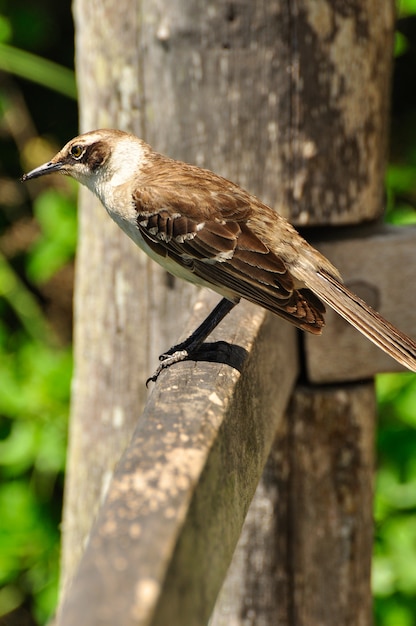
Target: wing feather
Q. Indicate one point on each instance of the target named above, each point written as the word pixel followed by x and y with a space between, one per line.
pixel 224 252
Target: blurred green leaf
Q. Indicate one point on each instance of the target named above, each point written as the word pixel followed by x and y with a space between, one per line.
pixel 401 194
pixel 17 450
pixel 46 372
pixel 393 493
pixel 27 540
pixel 399 389
pixel 10 598
pixel 406 7
pixel 401 44
pixel 398 536
pixel 20 516
pixel 5 29
pixel 395 613
pixel 57 217
pixel 403 214
pixel 383 583
pixel 394 562
pixel 23 303
pixel 401 177
pixel 39 70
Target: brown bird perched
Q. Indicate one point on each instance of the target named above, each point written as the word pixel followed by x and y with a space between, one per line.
pixel 209 231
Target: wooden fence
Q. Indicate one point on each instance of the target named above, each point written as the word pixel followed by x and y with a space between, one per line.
pixel 291 100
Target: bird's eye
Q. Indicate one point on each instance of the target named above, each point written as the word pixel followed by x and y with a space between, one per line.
pixel 77 151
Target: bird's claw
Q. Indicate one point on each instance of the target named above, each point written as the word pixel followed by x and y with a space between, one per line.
pixel 166 360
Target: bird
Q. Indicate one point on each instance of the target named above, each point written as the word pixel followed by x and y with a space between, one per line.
pixel 209 231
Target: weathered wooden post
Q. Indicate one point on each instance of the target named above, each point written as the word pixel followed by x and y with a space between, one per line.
pixel 202 83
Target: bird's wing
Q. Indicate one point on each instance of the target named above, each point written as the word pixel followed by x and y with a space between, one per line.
pixel 223 251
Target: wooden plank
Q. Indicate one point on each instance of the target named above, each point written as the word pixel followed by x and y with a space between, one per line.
pixel 254 591
pixel 174 510
pixel 330 520
pixel 379 264
pixel 340 63
pixel 304 556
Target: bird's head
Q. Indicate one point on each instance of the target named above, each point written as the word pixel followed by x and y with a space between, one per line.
pixel 96 158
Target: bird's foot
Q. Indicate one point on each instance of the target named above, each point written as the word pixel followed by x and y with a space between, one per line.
pixel 166 360
pixel 191 346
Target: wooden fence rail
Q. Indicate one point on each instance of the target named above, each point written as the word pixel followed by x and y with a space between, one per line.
pixel 167 529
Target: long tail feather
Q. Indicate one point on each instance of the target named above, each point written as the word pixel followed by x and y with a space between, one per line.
pixel 370 323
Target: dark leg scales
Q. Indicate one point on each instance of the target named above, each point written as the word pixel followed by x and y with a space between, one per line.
pixel 184 350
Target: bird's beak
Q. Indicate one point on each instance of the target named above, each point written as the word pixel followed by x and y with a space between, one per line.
pixel 46 168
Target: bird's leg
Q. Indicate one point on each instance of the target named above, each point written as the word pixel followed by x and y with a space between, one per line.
pixel 194 341
pixel 191 344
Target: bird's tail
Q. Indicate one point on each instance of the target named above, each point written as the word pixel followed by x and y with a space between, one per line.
pixel 370 323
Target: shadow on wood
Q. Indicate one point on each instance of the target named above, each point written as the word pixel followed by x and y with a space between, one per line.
pixel 221 352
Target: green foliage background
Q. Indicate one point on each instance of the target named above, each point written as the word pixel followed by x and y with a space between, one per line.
pixel 37 247
pixel 394 562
